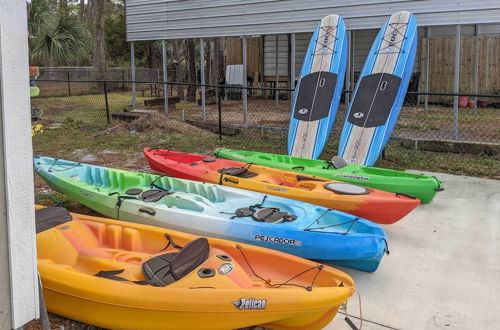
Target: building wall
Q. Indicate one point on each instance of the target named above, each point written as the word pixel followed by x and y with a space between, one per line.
pixel 170 19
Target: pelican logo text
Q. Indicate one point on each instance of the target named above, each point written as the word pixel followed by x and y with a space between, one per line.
pixel 359 115
pixel 303 111
pixel 250 303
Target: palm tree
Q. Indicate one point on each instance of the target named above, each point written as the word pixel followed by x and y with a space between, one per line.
pixel 55 38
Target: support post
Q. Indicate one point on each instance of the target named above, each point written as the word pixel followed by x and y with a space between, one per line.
pixel 244 90
pixel 132 74
pixel 202 79
pixel 353 60
pixel 219 109
pixel 69 85
pixel 456 87
pixel 476 66
pixel 106 104
pixel 427 66
pixel 276 81
pixel 19 294
pixel 348 69
pixel 165 76
pixel 292 61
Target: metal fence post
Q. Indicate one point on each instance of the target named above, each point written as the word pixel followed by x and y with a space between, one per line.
pixel 456 87
pixel 105 89
pixel 427 66
pixel 165 76
pixel 132 74
pixel 202 80
pixel 476 66
pixel 69 86
pixel 276 63
pixel 219 109
pixel 244 90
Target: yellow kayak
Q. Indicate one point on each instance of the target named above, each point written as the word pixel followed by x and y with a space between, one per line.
pixel 119 275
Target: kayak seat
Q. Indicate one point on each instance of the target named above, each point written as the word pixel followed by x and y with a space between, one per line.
pixel 168 268
pixel 338 162
pixel 240 172
pixel 265 214
pixel 272 215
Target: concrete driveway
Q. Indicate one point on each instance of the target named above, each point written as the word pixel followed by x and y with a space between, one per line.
pixel 443 271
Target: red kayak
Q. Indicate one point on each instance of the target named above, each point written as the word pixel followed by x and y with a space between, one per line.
pixel 372 204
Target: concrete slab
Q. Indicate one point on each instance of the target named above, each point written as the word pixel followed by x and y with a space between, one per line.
pixel 443 271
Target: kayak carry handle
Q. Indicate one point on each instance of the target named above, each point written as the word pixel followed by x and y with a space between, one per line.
pixel 148 211
pixel 405 195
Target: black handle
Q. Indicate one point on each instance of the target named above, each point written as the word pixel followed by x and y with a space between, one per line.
pixel 231 180
pixel 405 195
pixel 298 167
pixel 148 211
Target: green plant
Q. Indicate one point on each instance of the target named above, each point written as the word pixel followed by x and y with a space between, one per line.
pixel 55 38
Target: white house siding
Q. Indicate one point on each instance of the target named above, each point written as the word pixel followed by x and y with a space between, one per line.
pixel 170 19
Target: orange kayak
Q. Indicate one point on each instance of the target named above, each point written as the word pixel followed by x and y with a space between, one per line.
pixel 123 275
pixel 375 205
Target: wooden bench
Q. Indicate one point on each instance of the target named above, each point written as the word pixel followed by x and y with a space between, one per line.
pixel 159 101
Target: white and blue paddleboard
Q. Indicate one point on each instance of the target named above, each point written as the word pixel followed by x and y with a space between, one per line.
pixel 316 99
pixel 380 91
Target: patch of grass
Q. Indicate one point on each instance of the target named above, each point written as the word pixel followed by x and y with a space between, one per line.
pixel 123 147
pixel 85 108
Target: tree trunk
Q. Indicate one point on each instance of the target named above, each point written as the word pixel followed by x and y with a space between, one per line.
pixel 191 94
pixel 178 73
pixel 221 67
pixel 81 10
pixel 99 20
pixel 63 8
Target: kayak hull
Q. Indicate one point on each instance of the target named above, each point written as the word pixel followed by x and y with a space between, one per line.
pixel 420 186
pixel 375 205
pixel 71 253
pixel 208 210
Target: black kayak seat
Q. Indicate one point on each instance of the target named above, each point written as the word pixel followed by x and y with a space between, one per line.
pixel 338 162
pixel 168 268
pixel 240 172
pixel 272 215
pixel 50 217
pixel 264 214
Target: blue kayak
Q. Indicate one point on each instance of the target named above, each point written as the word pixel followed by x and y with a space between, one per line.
pixel 315 102
pixel 380 91
pixel 290 226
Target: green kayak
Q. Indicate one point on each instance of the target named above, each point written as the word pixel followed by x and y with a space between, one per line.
pixel 420 186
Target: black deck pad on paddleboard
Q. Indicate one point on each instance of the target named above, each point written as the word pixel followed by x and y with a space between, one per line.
pixel 314 103
pixel 380 89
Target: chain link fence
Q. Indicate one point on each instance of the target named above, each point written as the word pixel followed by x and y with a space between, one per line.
pixel 457 133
